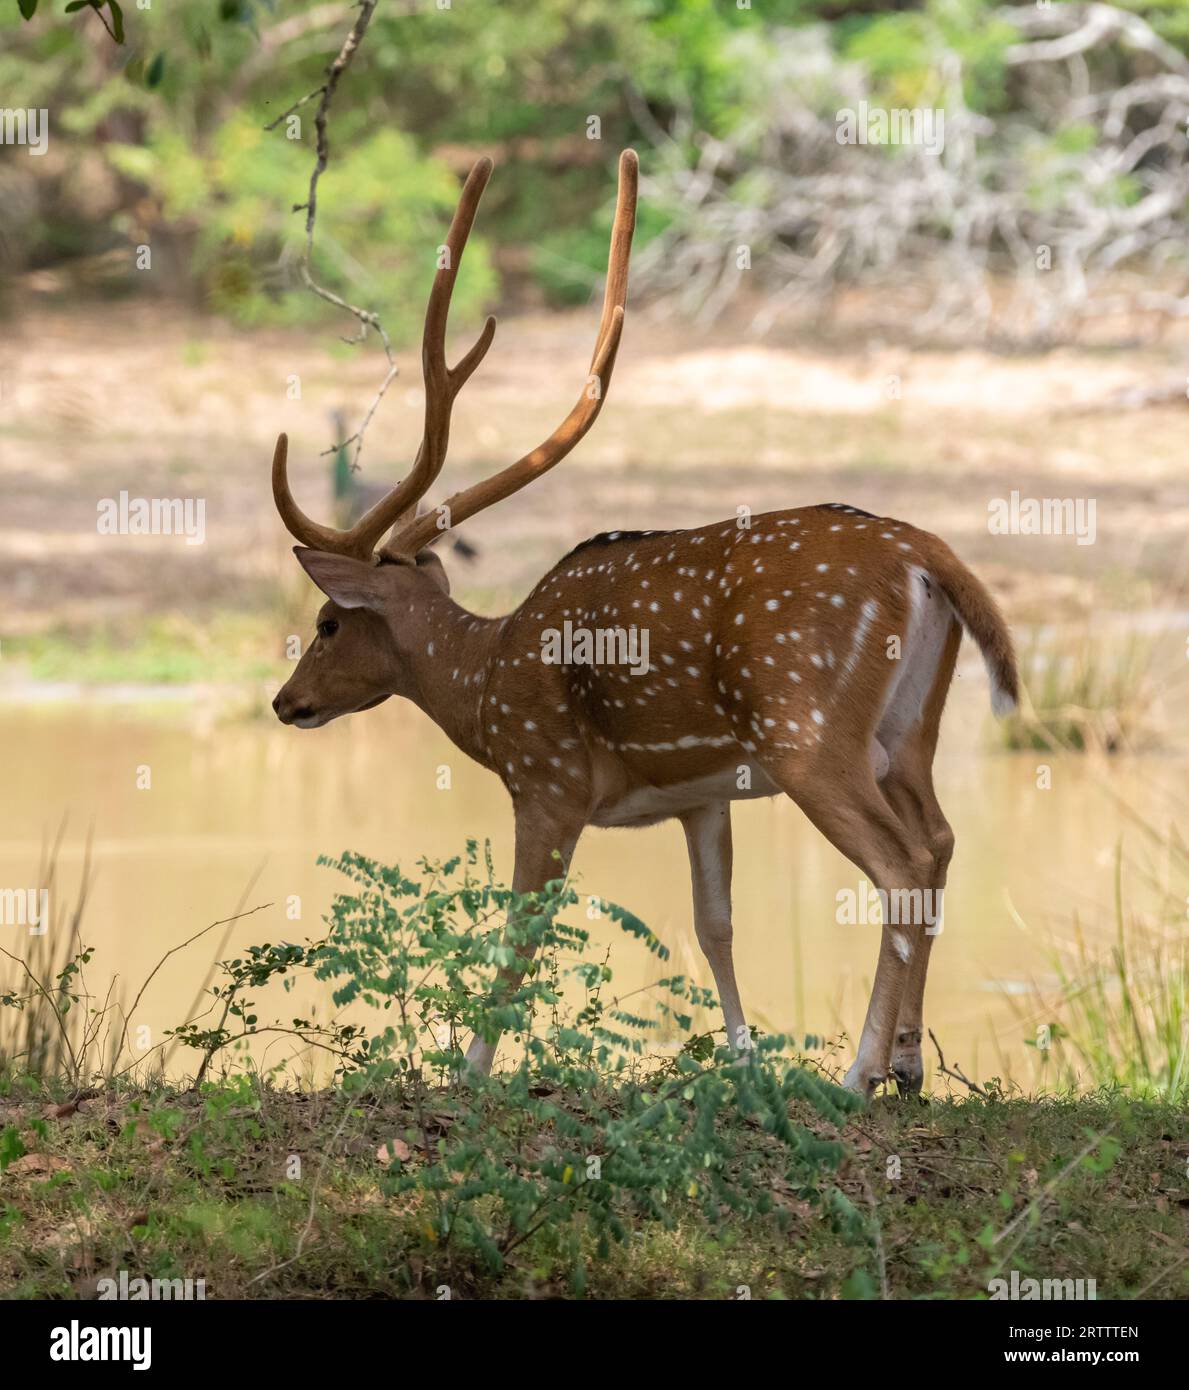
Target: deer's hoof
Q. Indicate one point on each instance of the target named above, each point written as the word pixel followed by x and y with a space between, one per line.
pixel 910 1076
pixel 907 1066
pixel 863 1081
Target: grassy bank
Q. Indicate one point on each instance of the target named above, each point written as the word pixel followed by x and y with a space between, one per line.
pixel 615 1154
pixel 264 1193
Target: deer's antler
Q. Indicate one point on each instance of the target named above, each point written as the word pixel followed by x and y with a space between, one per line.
pixel 442 384
pixel 410 537
pixel 410 532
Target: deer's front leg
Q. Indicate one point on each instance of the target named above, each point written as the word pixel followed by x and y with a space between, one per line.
pixel 539 832
pixel 708 839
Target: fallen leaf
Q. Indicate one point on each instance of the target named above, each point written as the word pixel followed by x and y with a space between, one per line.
pixel 393 1148
pixel 153 1139
pixel 38 1163
pixel 68 1107
pixel 73 1233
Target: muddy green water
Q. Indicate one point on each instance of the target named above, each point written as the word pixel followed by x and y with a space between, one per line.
pixel 233 802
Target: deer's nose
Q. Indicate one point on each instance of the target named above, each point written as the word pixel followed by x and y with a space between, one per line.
pixel 283 709
pixel 289 713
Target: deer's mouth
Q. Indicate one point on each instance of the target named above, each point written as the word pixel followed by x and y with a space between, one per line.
pixel 306 717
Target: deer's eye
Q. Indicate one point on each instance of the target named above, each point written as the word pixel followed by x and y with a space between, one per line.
pixel 328 627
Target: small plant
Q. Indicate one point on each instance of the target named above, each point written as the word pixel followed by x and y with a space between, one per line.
pixel 1121 1015
pixel 256 969
pixel 52 1027
pixel 579 1129
pixel 728 1172
pixel 1093 697
pixel 54 1032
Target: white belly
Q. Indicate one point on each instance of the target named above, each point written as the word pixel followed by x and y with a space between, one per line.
pixel 646 805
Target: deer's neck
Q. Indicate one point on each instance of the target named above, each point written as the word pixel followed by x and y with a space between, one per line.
pixel 448 654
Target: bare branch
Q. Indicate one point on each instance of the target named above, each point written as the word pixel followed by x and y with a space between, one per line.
pixel 789 210
pixel 367 318
pixel 173 950
pixel 955 1072
pixel 1079 28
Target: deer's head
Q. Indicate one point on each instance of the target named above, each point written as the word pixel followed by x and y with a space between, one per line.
pixel 379 600
pixel 357 658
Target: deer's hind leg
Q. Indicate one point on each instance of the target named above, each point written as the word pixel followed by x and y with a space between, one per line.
pixel 843 800
pixel 840 780
pixel 833 780
pixel 908 788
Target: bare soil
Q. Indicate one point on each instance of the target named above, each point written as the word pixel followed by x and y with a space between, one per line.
pixel 164 404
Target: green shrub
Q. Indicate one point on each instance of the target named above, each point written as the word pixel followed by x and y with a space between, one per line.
pixel 579 1128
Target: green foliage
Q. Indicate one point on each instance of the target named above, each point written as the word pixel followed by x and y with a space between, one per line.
pixel 383 213
pixel 180 118
pixel 237 1019
pixel 1122 1003
pixel 52 988
pixel 11 1146
pixel 1089 694
pixel 576 1129
pixel 571 1128
pixel 198 647
pixel 722 1168
pixel 900 50
pixel 114 26
pixel 113 21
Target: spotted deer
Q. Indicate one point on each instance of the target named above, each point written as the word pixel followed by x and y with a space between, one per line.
pixel 806 652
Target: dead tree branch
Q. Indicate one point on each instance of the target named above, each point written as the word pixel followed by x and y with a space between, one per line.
pixel 367 318
pixel 986 224
pixel 955 1072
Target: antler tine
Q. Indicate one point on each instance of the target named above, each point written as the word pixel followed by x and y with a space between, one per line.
pixel 615 292
pixel 442 384
pixel 311 533
pixel 413 536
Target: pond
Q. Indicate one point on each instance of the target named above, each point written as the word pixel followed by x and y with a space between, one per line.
pixel 194 818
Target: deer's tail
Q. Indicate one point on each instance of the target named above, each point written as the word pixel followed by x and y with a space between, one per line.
pixel 980 616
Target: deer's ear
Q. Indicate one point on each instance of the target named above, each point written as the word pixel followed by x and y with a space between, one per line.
pixel 349 583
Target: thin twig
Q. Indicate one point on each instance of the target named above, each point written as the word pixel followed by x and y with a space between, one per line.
pixel 297 105
pixel 955 1072
pixel 367 318
pixel 171 952
pixel 200 992
pixel 877 1237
